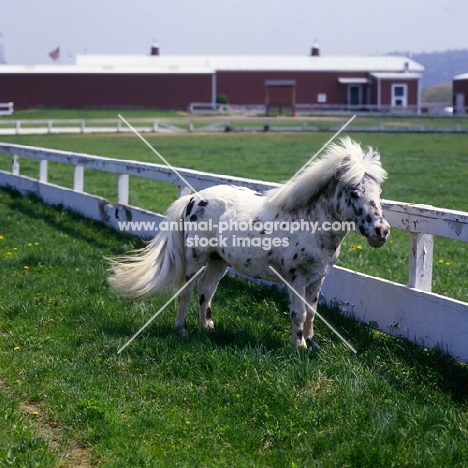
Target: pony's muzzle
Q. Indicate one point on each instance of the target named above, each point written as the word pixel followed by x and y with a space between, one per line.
pixel 379 235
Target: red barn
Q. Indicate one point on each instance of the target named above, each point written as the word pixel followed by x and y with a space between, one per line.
pixel 174 82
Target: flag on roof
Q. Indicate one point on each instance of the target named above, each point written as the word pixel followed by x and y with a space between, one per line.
pixel 55 54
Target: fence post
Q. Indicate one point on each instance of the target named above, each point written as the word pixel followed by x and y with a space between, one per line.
pixel 420 261
pixel 18 126
pixel 78 178
pixel 82 126
pixel 155 126
pixel 183 190
pixel 43 170
pixel 15 166
pixel 49 126
pixel 122 189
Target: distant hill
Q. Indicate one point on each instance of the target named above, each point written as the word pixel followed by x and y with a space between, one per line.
pixel 440 67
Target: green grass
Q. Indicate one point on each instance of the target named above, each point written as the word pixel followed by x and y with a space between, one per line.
pixel 423 168
pixel 240 396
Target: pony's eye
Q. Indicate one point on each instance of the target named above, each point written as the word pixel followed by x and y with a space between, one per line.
pixel 354 194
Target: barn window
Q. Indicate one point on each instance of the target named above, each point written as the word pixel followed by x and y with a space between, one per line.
pixel 399 95
pixel 322 97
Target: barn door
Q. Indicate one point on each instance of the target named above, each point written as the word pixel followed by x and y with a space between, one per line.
pixel 354 95
pixel 399 95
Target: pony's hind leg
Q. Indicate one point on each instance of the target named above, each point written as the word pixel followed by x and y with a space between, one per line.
pixel 182 310
pixel 207 284
pixel 184 298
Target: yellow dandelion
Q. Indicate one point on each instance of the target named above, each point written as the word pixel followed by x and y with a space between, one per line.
pixel 35 413
pixel 29 244
pixel 15 248
pixel 359 247
pixel 26 267
pixel 8 253
pixel 447 263
pixel 16 348
pixel 1 238
pixel 441 260
pixel 36 243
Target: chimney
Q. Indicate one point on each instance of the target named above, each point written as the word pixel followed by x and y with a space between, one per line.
pixel 155 49
pixel 315 50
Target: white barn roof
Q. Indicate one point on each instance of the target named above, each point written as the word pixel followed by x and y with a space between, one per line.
pixel 99 69
pixel 463 76
pixel 198 64
pixel 254 62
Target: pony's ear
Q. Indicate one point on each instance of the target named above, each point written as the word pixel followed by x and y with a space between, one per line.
pixel 374 156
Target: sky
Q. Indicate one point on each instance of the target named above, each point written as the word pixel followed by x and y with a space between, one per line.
pixel 31 29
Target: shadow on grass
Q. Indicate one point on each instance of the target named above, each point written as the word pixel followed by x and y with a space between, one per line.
pixel 389 356
pixel 65 222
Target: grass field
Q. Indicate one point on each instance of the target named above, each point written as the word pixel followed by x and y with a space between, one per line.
pixel 429 168
pixel 240 396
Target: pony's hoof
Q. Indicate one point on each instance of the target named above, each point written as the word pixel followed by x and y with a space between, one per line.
pixel 182 331
pixel 313 344
pixel 208 326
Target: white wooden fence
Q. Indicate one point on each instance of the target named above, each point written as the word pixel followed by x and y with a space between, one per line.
pixel 6 108
pixel 232 122
pixel 411 311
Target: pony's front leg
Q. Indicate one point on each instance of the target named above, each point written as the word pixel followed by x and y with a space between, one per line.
pixel 298 313
pixel 312 295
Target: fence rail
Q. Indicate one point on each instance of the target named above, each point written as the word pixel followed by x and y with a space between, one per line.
pixel 6 108
pixel 426 108
pixel 237 123
pixel 411 311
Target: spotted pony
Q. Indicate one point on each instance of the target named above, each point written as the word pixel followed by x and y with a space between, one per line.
pixel 343 186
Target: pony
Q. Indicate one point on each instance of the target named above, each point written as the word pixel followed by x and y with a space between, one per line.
pixel 294 231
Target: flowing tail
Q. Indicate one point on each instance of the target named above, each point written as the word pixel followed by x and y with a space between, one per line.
pixel 158 267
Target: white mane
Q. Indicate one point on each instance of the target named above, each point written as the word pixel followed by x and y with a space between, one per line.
pixel 345 161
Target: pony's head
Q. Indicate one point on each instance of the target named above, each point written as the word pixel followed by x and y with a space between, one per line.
pixel 354 178
pixel 358 191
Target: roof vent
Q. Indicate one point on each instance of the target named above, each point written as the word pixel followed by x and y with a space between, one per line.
pixel 155 49
pixel 315 52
